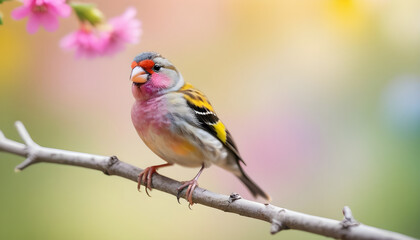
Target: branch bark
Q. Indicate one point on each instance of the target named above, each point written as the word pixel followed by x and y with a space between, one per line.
pixel 279 218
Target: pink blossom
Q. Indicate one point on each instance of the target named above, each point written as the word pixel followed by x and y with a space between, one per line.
pixel 42 12
pixel 84 41
pixel 90 42
pixel 124 29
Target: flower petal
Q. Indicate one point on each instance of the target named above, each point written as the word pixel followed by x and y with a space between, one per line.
pixel 64 10
pixel 85 42
pixel 20 12
pixel 125 29
pixel 129 13
pixel 61 9
pixel 69 41
pixel 49 21
pixel 33 23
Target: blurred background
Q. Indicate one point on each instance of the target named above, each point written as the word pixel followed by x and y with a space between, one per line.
pixel 322 98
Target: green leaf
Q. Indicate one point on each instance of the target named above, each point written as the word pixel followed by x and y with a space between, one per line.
pixel 87 12
pixel 1 18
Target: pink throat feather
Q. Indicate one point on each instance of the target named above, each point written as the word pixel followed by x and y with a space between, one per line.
pixel 152 87
pixel 150 113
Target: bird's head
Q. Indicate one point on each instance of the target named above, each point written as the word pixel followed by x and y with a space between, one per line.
pixel 153 75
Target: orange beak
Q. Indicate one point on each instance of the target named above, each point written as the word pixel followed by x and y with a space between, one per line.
pixel 138 75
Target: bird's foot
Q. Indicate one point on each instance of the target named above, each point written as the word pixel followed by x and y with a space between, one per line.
pixel 192 184
pixel 145 177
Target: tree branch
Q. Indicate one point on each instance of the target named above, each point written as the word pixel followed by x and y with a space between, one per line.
pixel 279 218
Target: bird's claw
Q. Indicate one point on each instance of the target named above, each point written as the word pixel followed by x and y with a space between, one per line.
pixel 191 185
pixel 145 177
pixel 178 195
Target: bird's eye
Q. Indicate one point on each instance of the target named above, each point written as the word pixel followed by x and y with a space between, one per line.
pixel 157 67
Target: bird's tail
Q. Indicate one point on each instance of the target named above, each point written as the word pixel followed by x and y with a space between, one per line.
pixel 252 186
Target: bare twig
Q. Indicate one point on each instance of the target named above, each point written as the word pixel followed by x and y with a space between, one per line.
pixel 279 218
pixel 349 220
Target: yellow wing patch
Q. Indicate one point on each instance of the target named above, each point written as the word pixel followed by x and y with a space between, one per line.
pixel 195 97
pixel 220 129
pixel 206 116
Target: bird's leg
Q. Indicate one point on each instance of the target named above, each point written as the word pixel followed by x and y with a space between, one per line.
pixel 145 176
pixel 192 184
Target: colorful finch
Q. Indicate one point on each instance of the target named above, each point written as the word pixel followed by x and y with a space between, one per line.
pixel 177 122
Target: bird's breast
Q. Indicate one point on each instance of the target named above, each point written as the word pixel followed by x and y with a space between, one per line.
pixel 151 113
pixel 153 124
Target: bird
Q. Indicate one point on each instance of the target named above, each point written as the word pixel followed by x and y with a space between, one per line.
pixel 178 123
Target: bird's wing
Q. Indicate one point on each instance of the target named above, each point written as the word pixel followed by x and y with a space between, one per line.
pixel 207 118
